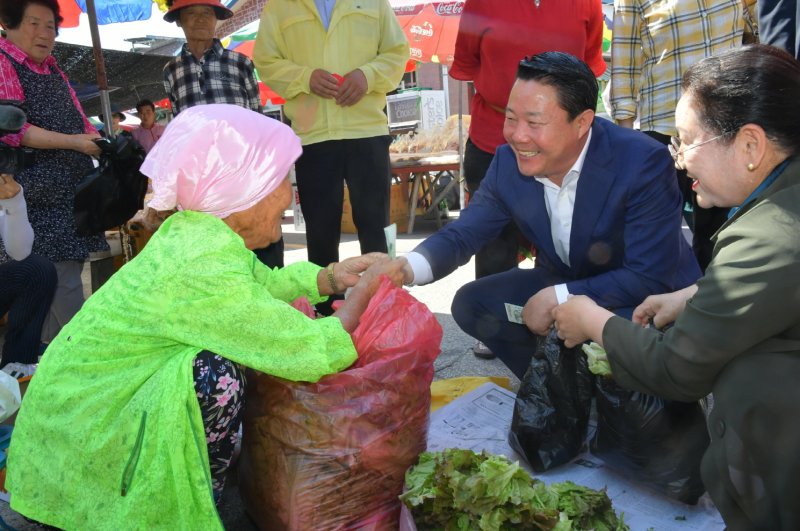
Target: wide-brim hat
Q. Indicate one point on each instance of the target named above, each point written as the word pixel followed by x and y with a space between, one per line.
pixel 115 111
pixel 221 11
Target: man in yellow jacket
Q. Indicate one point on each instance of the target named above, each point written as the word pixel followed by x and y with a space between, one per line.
pixel 334 61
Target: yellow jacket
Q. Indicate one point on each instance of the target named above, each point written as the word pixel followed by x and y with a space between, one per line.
pixel 363 34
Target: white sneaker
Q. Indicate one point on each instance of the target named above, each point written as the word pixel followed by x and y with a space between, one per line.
pixel 20 370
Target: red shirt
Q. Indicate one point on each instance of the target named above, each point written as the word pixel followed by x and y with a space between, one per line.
pixel 494 36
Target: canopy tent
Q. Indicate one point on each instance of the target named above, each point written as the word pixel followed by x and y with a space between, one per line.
pixel 104 12
pixel 131 76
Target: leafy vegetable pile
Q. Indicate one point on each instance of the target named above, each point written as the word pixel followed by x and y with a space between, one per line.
pixel 598 360
pixel 461 490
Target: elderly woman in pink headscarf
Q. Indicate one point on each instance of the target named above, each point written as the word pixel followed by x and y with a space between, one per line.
pixel 131 418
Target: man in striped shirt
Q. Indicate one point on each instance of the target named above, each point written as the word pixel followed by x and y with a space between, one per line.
pixel 654 43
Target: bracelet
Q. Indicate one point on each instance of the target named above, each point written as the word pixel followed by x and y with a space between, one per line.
pixel 331 277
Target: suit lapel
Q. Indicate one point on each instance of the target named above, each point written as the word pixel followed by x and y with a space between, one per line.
pixel 594 185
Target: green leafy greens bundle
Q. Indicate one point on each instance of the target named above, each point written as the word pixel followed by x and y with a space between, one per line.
pixel 460 490
pixel 598 359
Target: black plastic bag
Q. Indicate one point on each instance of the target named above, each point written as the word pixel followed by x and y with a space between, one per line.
pixel 552 406
pixel 659 442
pixel 112 193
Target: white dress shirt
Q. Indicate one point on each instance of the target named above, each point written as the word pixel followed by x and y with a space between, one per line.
pixel 560 204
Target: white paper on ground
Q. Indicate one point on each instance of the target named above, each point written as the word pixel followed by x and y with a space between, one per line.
pixel 481 420
pixel 9 395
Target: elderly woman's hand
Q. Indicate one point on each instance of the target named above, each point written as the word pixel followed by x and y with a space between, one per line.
pixel 663 309
pixel 8 186
pixel 579 319
pixel 357 300
pixel 85 143
pixel 347 273
pixel 394 269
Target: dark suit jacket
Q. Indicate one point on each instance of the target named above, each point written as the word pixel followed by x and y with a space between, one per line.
pixel 777 24
pixel 739 337
pixel 626 240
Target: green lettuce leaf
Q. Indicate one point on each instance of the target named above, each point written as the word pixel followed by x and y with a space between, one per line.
pixel 460 490
pixel 598 360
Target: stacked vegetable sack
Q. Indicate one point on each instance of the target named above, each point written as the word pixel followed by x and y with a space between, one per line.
pixel 460 490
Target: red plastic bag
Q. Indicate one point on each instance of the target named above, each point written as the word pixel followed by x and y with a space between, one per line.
pixel 301 304
pixel 333 454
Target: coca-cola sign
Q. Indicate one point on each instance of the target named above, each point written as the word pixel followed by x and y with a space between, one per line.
pixel 405 11
pixel 447 9
pixel 425 30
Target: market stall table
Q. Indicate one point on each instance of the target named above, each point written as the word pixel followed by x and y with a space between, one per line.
pixel 426 171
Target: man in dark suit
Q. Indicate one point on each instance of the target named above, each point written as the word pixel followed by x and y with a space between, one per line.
pixel 777 24
pixel 599 202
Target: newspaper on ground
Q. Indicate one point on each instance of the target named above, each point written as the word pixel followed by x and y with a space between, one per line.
pixel 481 419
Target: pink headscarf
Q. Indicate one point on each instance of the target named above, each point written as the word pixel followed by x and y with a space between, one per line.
pixel 219 159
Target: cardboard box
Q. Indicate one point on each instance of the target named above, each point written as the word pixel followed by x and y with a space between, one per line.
pixel 398 209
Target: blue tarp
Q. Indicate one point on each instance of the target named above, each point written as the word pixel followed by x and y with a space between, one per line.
pixel 111 11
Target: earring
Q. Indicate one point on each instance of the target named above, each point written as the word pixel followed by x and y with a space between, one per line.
pixel 751 167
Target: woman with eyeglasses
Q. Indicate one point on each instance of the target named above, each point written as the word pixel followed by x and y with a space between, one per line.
pixel 736 333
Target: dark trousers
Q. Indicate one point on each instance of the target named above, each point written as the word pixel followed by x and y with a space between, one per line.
pixel 26 291
pixel 219 385
pixel 479 309
pixel 322 170
pixel 704 222
pixel 271 256
pixel 499 254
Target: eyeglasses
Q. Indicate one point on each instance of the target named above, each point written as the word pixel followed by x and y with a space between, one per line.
pixel 677 148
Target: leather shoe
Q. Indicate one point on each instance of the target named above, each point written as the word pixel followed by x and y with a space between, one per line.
pixel 482 351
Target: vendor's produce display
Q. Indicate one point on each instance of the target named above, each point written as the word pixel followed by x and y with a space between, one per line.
pixel 434 140
pixel 333 454
pixel 460 490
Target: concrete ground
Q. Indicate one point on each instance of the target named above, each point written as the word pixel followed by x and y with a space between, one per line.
pixel 456 358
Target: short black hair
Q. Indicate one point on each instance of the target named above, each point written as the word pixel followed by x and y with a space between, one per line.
pixel 755 84
pixel 145 103
pixel 12 11
pixel 572 78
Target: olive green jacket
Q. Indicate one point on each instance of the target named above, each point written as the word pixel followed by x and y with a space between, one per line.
pixel 110 434
pixel 739 337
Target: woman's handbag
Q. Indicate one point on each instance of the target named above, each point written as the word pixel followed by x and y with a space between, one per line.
pixel 112 193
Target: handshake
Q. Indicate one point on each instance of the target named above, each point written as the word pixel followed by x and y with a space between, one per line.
pixel 363 272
